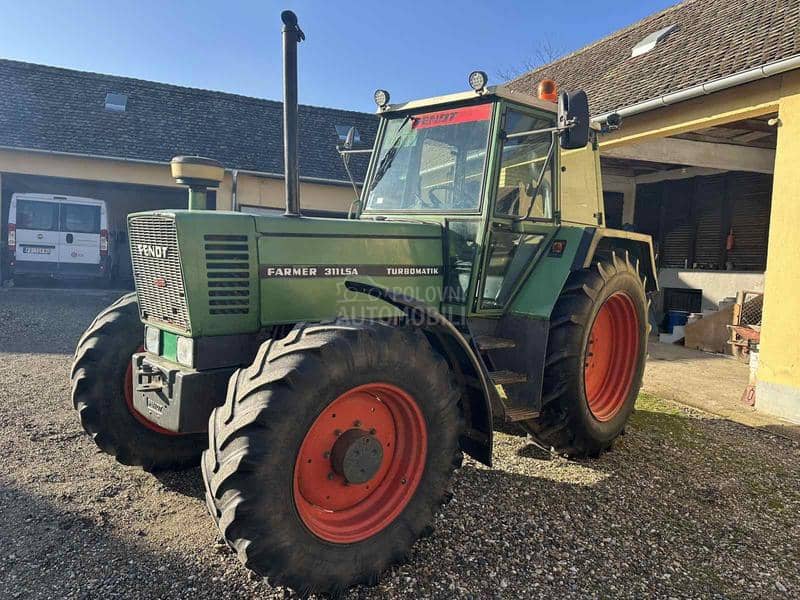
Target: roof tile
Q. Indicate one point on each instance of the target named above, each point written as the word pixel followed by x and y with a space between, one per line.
pixel 61 110
pixel 714 38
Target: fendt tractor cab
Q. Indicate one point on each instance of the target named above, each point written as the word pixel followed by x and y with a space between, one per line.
pixel 327 374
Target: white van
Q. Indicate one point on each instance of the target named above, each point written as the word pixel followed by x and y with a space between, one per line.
pixel 64 237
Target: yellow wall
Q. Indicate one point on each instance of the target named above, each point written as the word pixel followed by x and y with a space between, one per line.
pixel 252 189
pixel 778 389
pixel 268 192
pixel 71 167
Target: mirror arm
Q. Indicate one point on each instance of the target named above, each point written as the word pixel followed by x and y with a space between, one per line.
pixel 568 125
pixel 345 156
pixel 362 151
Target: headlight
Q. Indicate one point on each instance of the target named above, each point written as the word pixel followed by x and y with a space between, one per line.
pixel 381 98
pixel 477 80
pixel 152 340
pixel 185 351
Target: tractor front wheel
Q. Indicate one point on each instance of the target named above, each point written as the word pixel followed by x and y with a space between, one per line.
pixel 332 453
pixel 102 393
pixel 595 359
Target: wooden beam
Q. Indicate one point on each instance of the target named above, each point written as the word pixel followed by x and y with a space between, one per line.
pixel 754 135
pixel 751 125
pixel 675 151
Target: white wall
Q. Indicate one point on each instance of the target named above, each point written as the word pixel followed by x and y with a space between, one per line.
pixel 716 285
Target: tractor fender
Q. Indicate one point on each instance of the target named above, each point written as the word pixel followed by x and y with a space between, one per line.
pixel 476 440
pixel 639 247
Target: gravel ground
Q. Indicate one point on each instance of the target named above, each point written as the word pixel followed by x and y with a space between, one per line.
pixel 686 506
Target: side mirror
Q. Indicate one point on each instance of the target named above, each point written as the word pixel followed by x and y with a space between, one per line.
pixel 349 140
pixel 573 109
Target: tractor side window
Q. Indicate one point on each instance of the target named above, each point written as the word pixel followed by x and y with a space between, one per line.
pixel 509 255
pixel 525 182
pixel 461 252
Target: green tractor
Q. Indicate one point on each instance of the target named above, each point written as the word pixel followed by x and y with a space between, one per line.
pixel 328 374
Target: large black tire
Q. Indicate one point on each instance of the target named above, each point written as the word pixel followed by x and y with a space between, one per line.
pixel 101 363
pixel 255 437
pixel 566 423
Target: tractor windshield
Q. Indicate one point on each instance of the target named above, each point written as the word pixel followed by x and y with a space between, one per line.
pixel 431 162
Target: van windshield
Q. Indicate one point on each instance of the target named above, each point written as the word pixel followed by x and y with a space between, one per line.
pixel 431 162
pixel 80 218
pixel 41 216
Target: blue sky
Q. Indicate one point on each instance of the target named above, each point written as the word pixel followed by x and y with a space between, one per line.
pixel 413 49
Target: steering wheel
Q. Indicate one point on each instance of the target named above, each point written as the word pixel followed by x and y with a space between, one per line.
pixel 434 199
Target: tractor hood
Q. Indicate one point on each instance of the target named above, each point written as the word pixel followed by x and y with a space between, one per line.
pixel 201 273
pixel 304 262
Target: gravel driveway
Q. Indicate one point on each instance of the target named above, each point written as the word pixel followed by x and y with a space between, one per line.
pixel 685 506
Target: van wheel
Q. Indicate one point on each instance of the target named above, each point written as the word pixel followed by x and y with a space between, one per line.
pixel 102 393
pixel 595 359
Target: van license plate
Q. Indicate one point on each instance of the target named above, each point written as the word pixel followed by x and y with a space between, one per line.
pixel 35 250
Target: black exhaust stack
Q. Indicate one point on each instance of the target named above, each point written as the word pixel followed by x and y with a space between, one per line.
pixel 292 35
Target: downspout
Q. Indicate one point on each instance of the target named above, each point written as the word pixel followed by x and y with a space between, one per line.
pixel 715 85
pixel 234 189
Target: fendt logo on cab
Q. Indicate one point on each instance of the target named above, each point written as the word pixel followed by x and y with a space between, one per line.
pixel 152 251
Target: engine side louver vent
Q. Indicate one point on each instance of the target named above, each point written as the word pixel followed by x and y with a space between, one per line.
pixel 228 270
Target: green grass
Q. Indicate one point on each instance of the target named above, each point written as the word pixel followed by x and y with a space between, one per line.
pixel 667 422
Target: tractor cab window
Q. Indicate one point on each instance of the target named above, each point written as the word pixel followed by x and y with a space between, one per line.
pixel 525 182
pixel 431 162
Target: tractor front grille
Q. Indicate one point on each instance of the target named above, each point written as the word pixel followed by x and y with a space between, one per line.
pixel 228 271
pixel 157 271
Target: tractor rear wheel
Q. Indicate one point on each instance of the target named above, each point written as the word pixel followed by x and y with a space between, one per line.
pixel 102 393
pixel 595 359
pixel 332 453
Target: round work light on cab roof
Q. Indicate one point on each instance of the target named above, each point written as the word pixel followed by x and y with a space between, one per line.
pixel 478 80
pixel 547 90
pixel 381 98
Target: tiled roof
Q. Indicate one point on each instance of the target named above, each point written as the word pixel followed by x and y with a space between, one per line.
pixel 713 39
pixel 62 110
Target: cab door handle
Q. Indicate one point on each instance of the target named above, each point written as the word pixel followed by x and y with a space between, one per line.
pixel 70 238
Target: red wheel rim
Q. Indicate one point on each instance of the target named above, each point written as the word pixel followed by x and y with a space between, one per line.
pixel 611 356
pixel 342 512
pixel 127 389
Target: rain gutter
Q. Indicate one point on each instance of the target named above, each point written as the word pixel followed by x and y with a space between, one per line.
pixel 703 89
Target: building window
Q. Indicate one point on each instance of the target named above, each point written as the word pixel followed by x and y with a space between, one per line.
pixel 116 102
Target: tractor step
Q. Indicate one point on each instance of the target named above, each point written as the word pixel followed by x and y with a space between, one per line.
pixel 507 377
pixel 520 414
pixel 488 342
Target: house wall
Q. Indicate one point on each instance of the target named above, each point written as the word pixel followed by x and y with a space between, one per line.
pixel 252 189
pixel 716 285
pixel 131 186
pixel 269 193
pixel 778 389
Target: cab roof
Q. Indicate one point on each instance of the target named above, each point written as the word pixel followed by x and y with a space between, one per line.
pixel 494 91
